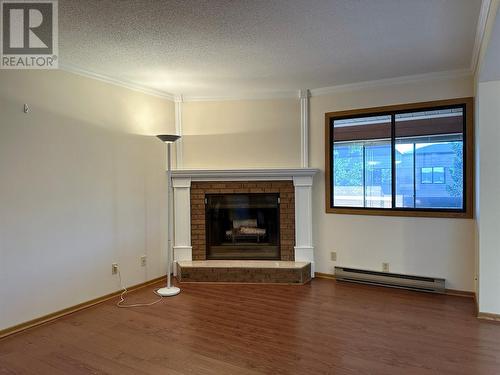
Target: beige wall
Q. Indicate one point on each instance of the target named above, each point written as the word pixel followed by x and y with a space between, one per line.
pixel 82 186
pixel 264 133
pixel 422 246
pixel 241 134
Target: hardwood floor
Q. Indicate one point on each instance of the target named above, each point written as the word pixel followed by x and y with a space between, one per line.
pixel 323 327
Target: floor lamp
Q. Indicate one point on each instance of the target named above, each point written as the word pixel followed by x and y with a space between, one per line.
pixel 169 290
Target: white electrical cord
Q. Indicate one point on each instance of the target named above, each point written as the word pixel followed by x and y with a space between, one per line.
pixel 125 291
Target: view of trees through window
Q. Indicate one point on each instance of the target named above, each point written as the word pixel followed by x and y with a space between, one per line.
pixel 427 170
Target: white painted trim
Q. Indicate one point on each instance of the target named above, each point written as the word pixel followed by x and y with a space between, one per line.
pixel 182 219
pixel 304 249
pixel 183 247
pixel 182 253
pixel 480 30
pixel 181 181
pixel 304 127
pixel 302 180
pixel 304 94
pixel 115 81
pixel 235 179
pixel 242 96
pixel 241 174
pixel 391 81
pixel 449 74
pixel 488 31
pixel 277 94
pixel 178 130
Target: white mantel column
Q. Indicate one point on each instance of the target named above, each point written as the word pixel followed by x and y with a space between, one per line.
pixel 304 250
pixel 182 213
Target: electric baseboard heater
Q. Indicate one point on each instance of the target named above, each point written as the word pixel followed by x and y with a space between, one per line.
pixel 393 280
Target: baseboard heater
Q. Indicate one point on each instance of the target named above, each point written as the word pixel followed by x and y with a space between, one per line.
pixel 393 280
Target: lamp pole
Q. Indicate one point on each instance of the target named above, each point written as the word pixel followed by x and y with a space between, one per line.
pixel 169 290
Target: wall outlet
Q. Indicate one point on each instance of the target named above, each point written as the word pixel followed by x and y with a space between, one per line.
pixel 114 268
pixel 143 261
pixel 385 267
pixel 333 256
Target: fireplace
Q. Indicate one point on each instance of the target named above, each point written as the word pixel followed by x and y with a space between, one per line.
pixel 242 226
pixel 290 240
pixel 252 220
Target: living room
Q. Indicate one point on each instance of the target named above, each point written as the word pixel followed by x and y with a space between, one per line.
pixel 250 187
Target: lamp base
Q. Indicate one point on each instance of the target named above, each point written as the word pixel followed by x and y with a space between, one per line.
pixel 168 292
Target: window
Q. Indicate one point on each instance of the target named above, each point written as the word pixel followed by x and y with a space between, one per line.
pixel 426 175
pixel 410 160
pixel 432 175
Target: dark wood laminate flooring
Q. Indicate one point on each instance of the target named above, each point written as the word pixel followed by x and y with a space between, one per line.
pixel 324 327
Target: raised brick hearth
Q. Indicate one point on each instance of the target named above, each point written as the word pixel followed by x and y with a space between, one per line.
pixel 248 271
pixel 287 210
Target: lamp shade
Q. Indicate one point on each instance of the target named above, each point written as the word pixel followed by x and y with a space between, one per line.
pixel 168 138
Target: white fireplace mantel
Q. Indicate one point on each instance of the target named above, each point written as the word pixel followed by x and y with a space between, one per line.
pixel 243 174
pixel 302 179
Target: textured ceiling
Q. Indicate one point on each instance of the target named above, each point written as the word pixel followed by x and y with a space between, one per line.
pixel 216 47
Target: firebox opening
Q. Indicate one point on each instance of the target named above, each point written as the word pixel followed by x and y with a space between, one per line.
pixel 242 226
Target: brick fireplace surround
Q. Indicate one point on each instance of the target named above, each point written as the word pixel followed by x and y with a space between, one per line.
pixel 293 185
pixel 287 210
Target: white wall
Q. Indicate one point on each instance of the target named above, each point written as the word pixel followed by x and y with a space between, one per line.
pixel 487 171
pixel 422 246
pixel 82 186
pixel 489 193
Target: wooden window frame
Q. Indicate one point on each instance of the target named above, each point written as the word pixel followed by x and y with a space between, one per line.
pixel 468 209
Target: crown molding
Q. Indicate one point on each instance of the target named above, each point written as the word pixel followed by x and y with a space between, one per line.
pixel 490 21
pixel 292 94
pixel 117 82
pixel 484 13
pixel 450 74
pixel 297 94
pixel 304 93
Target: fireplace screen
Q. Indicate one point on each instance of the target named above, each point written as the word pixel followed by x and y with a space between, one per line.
pixel 242 226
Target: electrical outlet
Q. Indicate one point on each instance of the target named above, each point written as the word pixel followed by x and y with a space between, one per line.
pixel 143 261
pixel 385 267
pixel 114 268
pixel 333 256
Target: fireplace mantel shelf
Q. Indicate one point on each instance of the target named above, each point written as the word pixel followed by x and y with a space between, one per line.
pixel 243 174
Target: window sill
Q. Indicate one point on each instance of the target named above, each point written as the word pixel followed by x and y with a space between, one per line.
pixel 401 213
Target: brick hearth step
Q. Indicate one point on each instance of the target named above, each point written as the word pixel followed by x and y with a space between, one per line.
pixel 244 271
